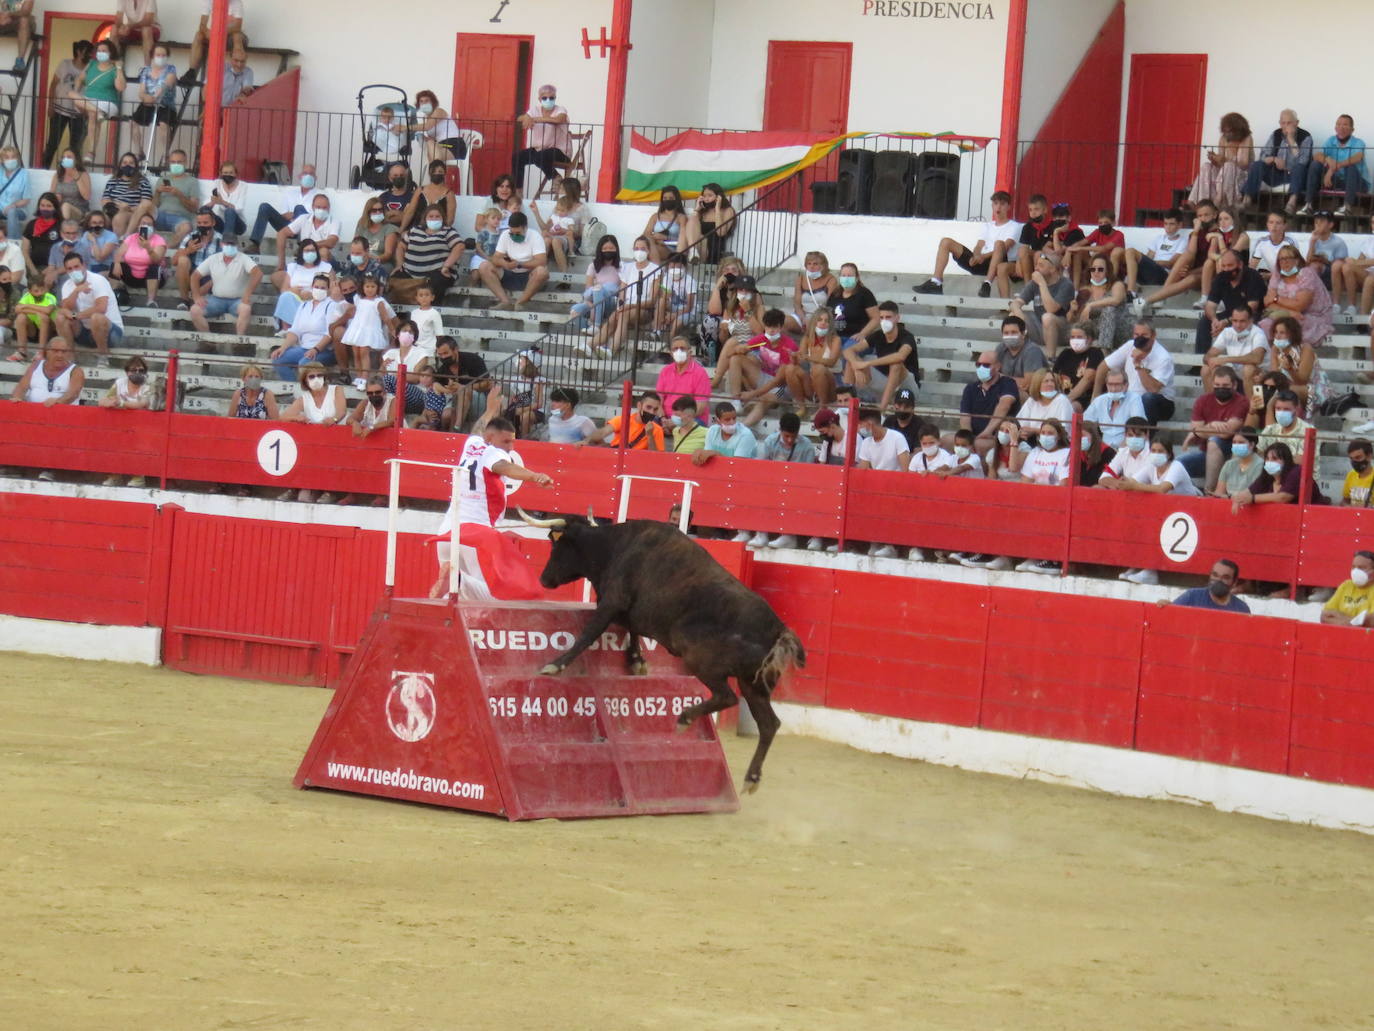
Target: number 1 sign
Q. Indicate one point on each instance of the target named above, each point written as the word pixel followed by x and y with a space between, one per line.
pixel 276 452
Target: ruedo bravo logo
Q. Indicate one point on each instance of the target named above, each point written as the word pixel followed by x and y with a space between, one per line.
pixel 935 10
pixel 539 641
pixel 411 705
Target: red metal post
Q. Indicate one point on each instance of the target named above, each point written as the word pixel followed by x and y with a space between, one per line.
pixel 1011 95
pixel 213 93
pixel 1075 477
pixel 608 180
pixel 170 406
pixel 1309 464
pixel 851 444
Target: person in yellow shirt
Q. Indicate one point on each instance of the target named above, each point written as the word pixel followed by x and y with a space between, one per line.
pixel 689 436
pixel 1351 603
pixel 1359 482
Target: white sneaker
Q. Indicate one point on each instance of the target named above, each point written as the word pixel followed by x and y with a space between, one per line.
pixel 916 555
pixel 1000 562
pixel 833 549
pixel 1044 568
pixel 1320 594
pixel 882 551
pixel 359 383
pixel 1199 304
pixel 1363 429
pixel 111 481
pixel 956 556
pixel 1341 212
pixel 1147 577
pixel 1306 209
pixel 1138 306
pixel 759 540
pixel 814 544
pixel 47 476
pixel 1127 574
pixel 785 540
pixel 742 537
pixel 1027 566
pixel 138 481
pixel 325 499
pixel 286 495
pixel 305 497
pixel 1350 309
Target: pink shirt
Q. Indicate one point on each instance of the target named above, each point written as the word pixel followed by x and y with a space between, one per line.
pixel 694 382
pixel 546 135
pixel 138 257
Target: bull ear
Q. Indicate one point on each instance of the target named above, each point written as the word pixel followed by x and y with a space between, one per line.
pixel 555 535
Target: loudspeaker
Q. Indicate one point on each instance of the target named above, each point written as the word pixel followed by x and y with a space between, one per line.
pixel 935 190
pixel 823 196
pixel 855 186
pixel 893 180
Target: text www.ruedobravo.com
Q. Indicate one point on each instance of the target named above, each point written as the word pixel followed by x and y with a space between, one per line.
pixel 408 779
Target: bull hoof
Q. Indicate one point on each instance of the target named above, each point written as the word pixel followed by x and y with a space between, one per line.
pixel 551 670
pixel 639 669
pixel 750 786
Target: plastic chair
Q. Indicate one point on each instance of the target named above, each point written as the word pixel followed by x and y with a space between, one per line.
pixel 460 169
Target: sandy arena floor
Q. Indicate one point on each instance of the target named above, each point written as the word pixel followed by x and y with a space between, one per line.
pixel 160 872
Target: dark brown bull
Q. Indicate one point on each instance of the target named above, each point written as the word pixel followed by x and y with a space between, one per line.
pixel 656 582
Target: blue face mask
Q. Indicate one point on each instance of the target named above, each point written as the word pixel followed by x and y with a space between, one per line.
pixel 983 373
pixel 1240 450
pixel 1136 444
pixel 677 420
pixel 229 250
pixel 435 224
pixel 1115 396
pixel 1283 417
pixel 1049 441
pixel 1159 459
pixel 866 434
pixel 309 257
pixel 849 282
pixel 307 180
pixel 1273 467
pixel 548 103
pixel 69 162
pixel 177 168
pixel 11 164
pixel 358 260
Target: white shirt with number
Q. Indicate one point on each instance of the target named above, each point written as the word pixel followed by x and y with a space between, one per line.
pixel 1048 467
pixel 481 492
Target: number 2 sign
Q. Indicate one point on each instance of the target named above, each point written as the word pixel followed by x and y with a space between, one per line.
pixel 276 452
pixel 1178 537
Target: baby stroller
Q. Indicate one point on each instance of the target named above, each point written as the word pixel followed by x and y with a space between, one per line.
pixel 381 146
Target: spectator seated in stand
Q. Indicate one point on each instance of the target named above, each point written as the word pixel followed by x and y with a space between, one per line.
pixel 1016 357
pixel 547 139
pixel 785 444
pixel 295 278
pixel 1241 347
pixel 603 278
pixel 683 375
pixel 88 313
pixel 1149 369
pixel 1106 242
pixel 966 462
pixel 1224 170
pixel 665 226
pixel 308 339
pixel 135 19
pixel 740 365
pixel 1217 416
pixel 1043 304
pixel 1036 234
pixel 1048 465
pixel 10 293
pixel 1351 604
pixel 1076 365
pixel 1114 407
pixel 1264 250
pixel 1066 234
pixel 33 313
pixel 986 403
pixel 727 437
pixel 98 95
pixel 157 89
pixel 1102 304
pixel 903 418
pixel 14 192
pixel 1338 165
pixel 1044 401
pixel 69 241
pixel 1246 463
pixel 234 37
pixel 397 202
pixel 72 185
pixel 1286 425
pixel 1327 253
pixel 317 226
pixel 686 434
pixel 525 410
pixel 1283 162
pixel 565 426
pixel 52 379
pixel 1279 484
pixel 177 196
pixel 1186 271
pixel 317 403
pixel 224 285
pixel 1227 236
pixel 461 375
pixel 997 244
pixel 251 400
pixel 385 137
pixel 677 299
pixel 1219 594
pixel 1296 289
pixel 710 225
pixel 125 192
pixel 1162 475
pixel 812 289
pixel 376 411
pixel 520 263
pixel 882 449
pixel 131 391
pixel 563 231
pixel 774 354
pixel 812 371
pixel 928 458
pixel 1358 489
pixel 885 361
pixel 1235 286
pixel 295 201
pixel 201 243
pixel 1297 360
pixel 99 242
pixel 1093 455
pixel 644 432
pixel 1355 270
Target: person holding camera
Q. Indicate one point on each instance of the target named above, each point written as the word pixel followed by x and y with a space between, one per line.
pixel 200 245
pixel 139 258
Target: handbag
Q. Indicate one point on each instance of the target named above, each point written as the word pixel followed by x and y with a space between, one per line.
pixel 1340 404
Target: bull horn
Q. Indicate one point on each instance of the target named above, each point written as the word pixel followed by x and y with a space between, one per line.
pixel 546 524
pixel 591 519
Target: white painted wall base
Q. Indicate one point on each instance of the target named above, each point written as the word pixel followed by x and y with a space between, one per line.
pixel 137 644
pixel 1113 770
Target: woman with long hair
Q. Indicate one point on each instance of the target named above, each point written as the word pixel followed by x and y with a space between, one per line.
pixel 1223 169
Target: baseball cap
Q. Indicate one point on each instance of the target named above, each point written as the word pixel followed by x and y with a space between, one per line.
pixel 905 396
pixel 1328 215
pixel 825 417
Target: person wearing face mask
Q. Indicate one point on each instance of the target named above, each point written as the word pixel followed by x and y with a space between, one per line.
pixel 1295 358
pixel 433 192
pixel 157 96
pixel 177 195
pixel 547 139
pixel 1162 475
pixel 1149 369
pixel 1246 463
pixel 1102 303
pixel 376 411
pixel 684 376
pixel 72 185
pixel 406 351
pixel 1076 365
pixel 203 242
pixel 1288 427
pixel 1358 487
pixel 378 235
pixel 885 361
pixel 1045 401
pixel 903 419
pixel 645 432
pixel 603 286
pixel 677 298
pixel 734 313
pixel 928 458
pixel 318 225
pixel 14 190
pixel 1044 303
pixel 811 373
pixel 639 279
pixel 224 284
pixel 238 78
pixel 1242 346
pixel 1016 356
pixel 1328 253
pixel 1280 482
pixel 430 253
pixel 317 404
pixel 1236 286
pixel 665 226
pixel 1226 235
pixel 443 139
pixel 138 261
pixel 853 308
pixel 986 403
pixel 1338 165
pixel 234 37
pixel 1105 242
pixel 227 199
pixel 1132 461
pixel 1114 408
pixel 41 235
pixel 686 435
pixel 399 196
pixel 1295 289
pixel 565 425
pixel 251 401
pixel 814 285
pixel 296 279
pixel 63 118
pixel 125 193
pixel 563 231
pixel 1219 594
pixel 756 368
pixel 133 390
pixel 1217 416
pixel 88 313
pixel 97 98
pixel 295 201
pixel 361 264
pixel 1351 604
pixel 520 262
pixel 70 241
pixel 308 340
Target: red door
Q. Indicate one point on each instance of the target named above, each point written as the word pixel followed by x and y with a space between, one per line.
pixel 808 90
pixel 1163 130
pixel 491 83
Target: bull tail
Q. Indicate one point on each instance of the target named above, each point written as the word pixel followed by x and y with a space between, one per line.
pixel 786 654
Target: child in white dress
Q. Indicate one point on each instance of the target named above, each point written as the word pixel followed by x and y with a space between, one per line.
pixel 369 329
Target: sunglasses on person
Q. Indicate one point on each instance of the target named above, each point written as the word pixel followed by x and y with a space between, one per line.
pixel 375 393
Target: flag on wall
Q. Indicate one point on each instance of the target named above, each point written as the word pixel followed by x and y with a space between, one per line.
pixel 740 160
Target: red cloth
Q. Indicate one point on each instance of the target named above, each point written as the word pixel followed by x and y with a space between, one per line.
pixel 508 574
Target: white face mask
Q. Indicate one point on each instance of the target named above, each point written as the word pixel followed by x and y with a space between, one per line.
pixel 886 325
pixel 930 450
pixel 377 216
pixel 680 356
pixel 1098 280
pixel 773 335
pixel 319 293
pixel 745 297
pixel 1078 344
pixel 1049 390
pixel 676 272
pixel 314 382
pixel 960 452
pixel 1085 442
pixel 1283 342
pixel 1003 437
pixel 1048 441
pixel 1360 577
pixel 728 429
pixel 641 255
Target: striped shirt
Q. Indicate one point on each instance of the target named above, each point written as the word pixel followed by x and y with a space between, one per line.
pixel 127 191
pixel 426 251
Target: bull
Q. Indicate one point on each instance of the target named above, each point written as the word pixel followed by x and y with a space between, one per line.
pixel 656 582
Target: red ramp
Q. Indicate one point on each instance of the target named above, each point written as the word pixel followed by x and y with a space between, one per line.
pixel 443 705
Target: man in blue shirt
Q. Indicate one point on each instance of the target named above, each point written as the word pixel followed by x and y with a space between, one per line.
pixel 1218 592
pixel 1340 165
pixel 987 401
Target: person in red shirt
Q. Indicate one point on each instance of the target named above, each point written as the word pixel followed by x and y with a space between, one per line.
pixel 645 432
pixel 1216 418
pixel 1106 241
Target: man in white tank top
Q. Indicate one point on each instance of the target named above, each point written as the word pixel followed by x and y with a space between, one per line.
pixel 52 380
